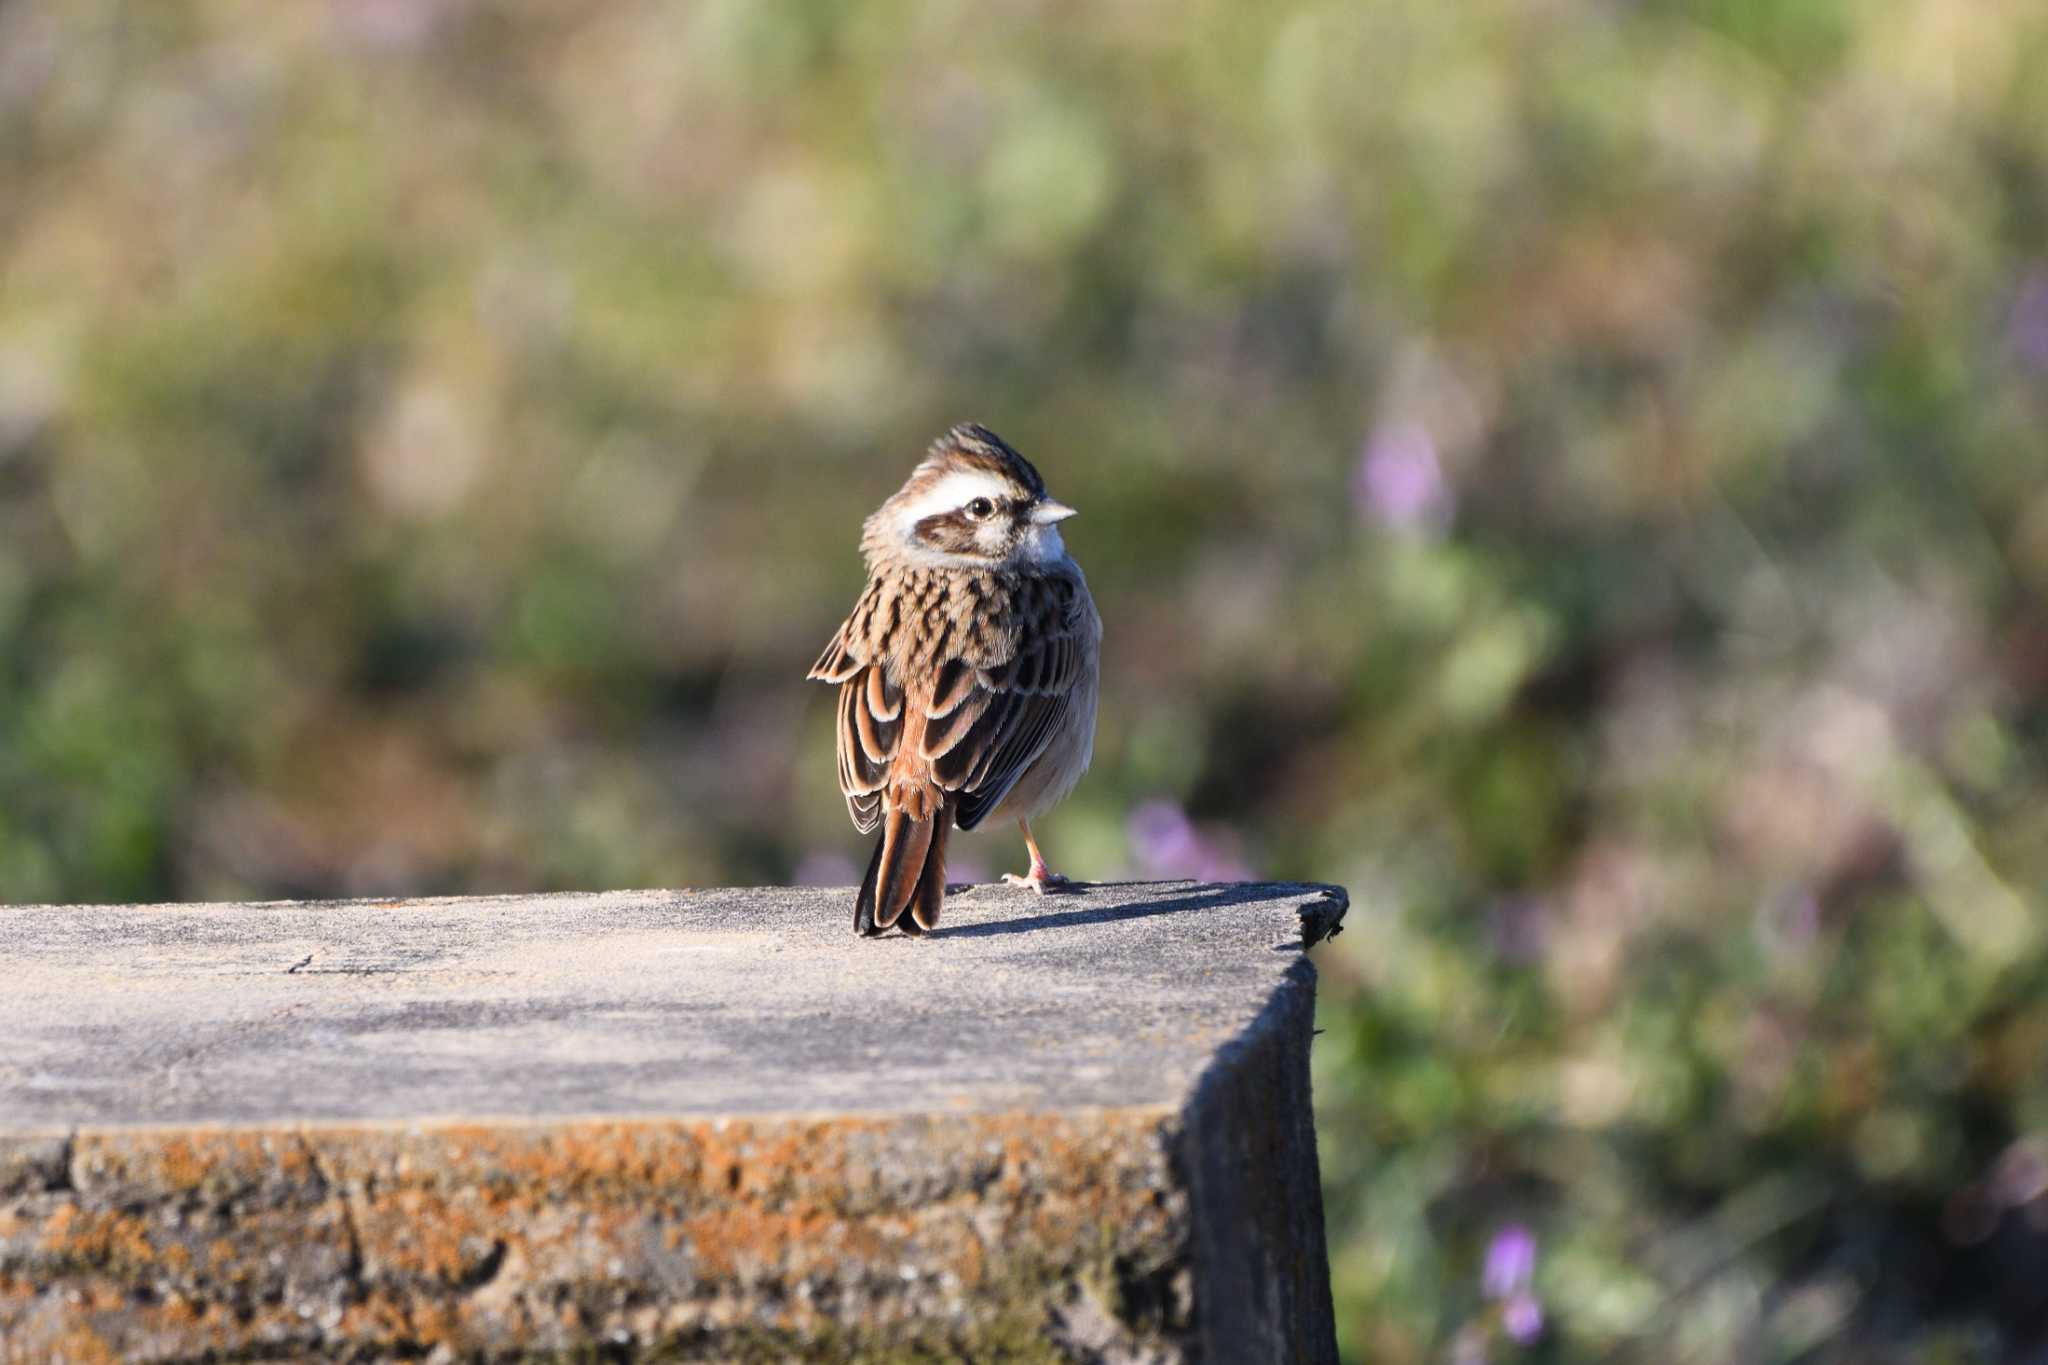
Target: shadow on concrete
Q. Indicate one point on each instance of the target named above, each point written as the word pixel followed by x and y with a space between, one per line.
pixel 1208 898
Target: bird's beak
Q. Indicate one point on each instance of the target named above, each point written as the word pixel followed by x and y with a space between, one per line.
pixel 1045 512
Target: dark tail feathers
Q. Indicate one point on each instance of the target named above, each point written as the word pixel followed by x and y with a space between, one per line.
pixel 908 872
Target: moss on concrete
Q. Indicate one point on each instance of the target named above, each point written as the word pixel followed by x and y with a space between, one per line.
pixel 954 1237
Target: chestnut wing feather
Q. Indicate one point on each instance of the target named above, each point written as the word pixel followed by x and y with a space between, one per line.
pixel 870 724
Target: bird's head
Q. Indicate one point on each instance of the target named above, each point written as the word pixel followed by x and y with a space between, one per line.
pixel 973 502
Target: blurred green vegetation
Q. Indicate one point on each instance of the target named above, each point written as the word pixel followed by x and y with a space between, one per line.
pixel 1572 471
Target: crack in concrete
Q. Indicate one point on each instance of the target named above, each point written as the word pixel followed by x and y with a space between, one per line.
pixel 331 1184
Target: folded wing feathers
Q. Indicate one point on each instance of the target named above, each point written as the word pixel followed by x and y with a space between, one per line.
pixel 999 770
pixel 837 663
pixel 942 734
pixel 862 771
pixel 954 767
pixel 884 698
pixel 957 681
pixel 876 734
pixel 866 810
pixel 979 728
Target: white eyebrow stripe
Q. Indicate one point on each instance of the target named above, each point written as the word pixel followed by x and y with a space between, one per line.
pixel 951 493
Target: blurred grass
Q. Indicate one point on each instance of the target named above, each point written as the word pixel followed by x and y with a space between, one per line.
pixel 1572 472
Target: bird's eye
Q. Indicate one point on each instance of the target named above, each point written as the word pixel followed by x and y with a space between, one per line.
pixel 981 509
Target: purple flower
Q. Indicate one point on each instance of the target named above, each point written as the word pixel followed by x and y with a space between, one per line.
pixel 1521 1317
pixel 1400 481
pixel 2026 330
pixel 1165 843
pixel 1162 838
pixel 1510 1262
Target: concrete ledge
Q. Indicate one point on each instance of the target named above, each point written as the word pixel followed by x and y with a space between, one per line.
pixel 703 1124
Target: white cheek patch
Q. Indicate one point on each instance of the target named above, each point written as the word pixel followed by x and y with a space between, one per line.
pixel 950 494
pixel 1042 545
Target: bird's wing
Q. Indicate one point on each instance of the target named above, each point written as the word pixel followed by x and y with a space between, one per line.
pixel 844 655
pixel 987 723
pixel 969 722
pixel 870 716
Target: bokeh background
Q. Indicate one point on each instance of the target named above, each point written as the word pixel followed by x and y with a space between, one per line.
pixel 1571 470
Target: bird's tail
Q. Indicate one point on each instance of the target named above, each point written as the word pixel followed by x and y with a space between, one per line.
pixel 908 872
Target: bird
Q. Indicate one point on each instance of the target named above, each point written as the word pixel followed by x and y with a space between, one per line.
pixel 967 672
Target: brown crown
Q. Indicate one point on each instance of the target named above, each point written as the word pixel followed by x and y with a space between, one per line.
pixel 973 446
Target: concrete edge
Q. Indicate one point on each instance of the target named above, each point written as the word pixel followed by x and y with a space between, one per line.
pixel 23 1139
pixel 1247 1150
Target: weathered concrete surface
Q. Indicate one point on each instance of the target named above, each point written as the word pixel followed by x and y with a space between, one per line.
pixel 701 1124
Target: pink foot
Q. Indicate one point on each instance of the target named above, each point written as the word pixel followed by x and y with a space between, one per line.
pixel 1039 879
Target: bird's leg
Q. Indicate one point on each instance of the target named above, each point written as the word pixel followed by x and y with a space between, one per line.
pixel 1040 877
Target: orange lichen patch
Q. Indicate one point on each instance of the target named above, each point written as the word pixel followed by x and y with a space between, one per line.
pixel 504 1238
pixel 750 1242
pixel 181 1165
pixel 425 1232
pixel 379 1318
pixel 97 1238
pixel 706 1164
pixel 177 1328
pixel 211 1162
pixel 432 1323
pixel 544 1164
pixel 83 1346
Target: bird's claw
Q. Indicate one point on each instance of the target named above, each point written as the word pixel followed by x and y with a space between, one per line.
pixel 1039 879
